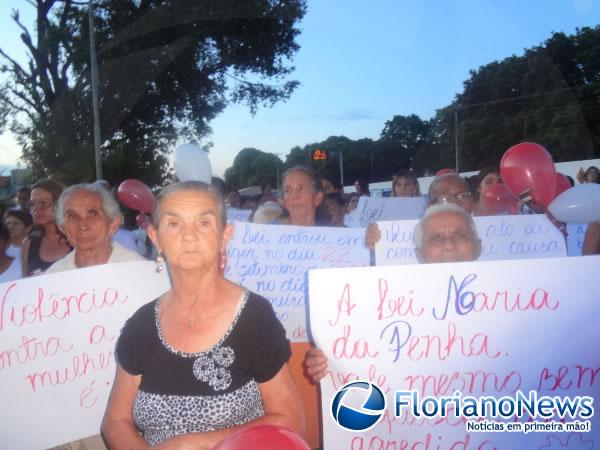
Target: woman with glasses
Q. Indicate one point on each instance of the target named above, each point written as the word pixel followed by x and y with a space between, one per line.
pixel 447 188
pixel 48 244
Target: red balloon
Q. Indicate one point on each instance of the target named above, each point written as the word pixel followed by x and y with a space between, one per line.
pixel 498 199
pixel 529 166
pixel 562 183
pixel 444 172
pixel 136 195
pixel 263 437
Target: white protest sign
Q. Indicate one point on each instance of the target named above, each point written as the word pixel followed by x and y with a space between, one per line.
pixel 57 338
pixel 575 237
pixel 272 260
pixel 502 237
pixel 482 328
pixel 238 215
pixel 374 209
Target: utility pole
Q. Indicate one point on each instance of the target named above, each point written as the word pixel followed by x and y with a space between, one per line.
pixel 94 76
pixel 342 168
pixel 456 155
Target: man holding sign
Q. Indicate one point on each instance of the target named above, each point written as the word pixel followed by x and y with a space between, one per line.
pixel 445 189
pixel 446 233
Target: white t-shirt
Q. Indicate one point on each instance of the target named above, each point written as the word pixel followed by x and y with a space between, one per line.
pixel 13 251
pixel 14 272
pixel 118 254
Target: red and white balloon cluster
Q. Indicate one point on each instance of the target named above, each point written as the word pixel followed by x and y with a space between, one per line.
pixel 528 170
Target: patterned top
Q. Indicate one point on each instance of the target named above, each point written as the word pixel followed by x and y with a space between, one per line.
pixel 184 392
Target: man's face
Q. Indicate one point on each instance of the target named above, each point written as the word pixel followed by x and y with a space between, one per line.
pixel 86 224
pixel 451 189
pixel 447 237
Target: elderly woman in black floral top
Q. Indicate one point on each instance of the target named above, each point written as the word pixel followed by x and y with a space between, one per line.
pixel 206 359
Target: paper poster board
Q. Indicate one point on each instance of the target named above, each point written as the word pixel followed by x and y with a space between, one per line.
pixel 238 215
pixel 502 237
pixel 57 339
pixel 478 328
pixel 575 237
pixel 272 260
pixel 375 209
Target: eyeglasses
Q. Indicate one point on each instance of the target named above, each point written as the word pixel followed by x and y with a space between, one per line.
pixel 452 198
pixel 42 204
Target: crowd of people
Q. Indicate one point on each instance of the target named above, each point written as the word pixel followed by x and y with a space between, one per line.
pixel 208 345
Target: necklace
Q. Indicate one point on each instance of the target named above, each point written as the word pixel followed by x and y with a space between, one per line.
pixel 190 321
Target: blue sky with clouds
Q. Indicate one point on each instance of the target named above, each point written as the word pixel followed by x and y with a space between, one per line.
pixel 361 63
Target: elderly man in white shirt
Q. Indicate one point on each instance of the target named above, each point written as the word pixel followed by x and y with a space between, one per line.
pixel 446 233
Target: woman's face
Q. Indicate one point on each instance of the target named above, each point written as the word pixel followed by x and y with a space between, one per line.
pixel 190 234
pixel 489 180
pixel 404 187
pixel 299 198
pixel 592 176
pixel 327 186
pixel 41 206
pixel 352 203
pixel 16 228
pixel 336 212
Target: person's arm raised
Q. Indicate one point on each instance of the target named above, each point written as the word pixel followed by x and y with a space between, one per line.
pixel 373 236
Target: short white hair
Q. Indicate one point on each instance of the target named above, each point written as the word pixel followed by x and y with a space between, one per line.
pixel 436 209
pixel 109 203
pixel 267 213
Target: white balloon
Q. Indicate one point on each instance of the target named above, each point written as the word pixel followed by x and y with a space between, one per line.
pixel 192 163
pixel 580 204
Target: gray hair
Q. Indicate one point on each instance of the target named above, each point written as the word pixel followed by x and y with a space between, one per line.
pixel 436 209
pixel 109 203
pixel 315 181
pixel 194 186
pixel 439 179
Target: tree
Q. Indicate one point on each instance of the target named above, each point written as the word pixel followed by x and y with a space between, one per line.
pixel 167 67
pixel 356 158
pixel 401 139
pixel 252 167
pixel 549 95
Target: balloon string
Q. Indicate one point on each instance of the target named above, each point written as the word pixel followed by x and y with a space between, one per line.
pixel 526 199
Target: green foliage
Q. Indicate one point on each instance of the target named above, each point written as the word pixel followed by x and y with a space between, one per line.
pixel 252 167
pixel 550 95
pixel 167 67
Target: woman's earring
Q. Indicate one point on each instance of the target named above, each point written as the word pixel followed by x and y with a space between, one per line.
pixel 159 263
pixel 223 260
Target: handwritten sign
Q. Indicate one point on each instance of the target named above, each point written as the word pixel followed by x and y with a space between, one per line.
pixel 57 336
pixel 272 260
pixel 481 328
pixel 238 215
pixel 375 209
pixel 575 237
pixel 502 237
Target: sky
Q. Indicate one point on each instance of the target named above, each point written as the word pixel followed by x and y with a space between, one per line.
pixel 360 63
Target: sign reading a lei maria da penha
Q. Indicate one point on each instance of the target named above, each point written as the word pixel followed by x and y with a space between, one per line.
pixel 481 329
